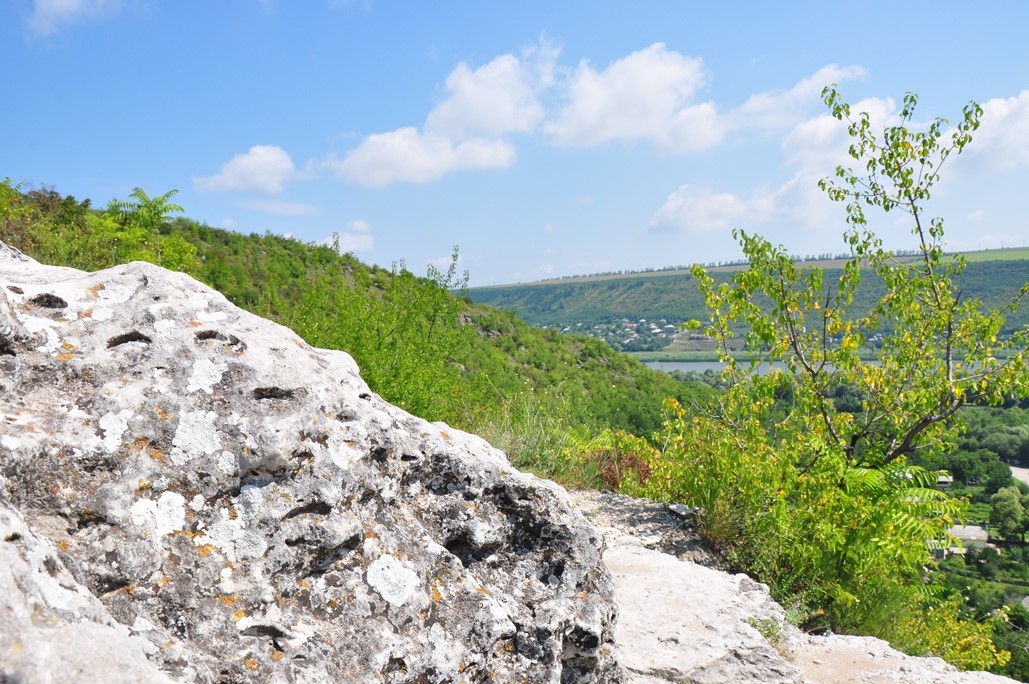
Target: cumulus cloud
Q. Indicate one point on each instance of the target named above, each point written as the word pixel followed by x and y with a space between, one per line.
pixel 495 99
pixel 466 130
pixel 1002 141
pixel 262 167
pixel 407 155
pixel 649 95
pixel 699 210
pixel 781 109
pixel 49 15
pixel 282 208
pixel 643 96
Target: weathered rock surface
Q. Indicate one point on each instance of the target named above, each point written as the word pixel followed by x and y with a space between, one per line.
pixel 682 622
pixel 191 493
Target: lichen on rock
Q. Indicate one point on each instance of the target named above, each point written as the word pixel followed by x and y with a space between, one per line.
pixel 235 505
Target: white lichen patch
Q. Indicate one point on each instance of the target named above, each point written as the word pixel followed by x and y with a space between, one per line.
pixel 102 315
pixel 210 316
pixel 166 326
pixel 195 434
pixel 115 293
pixel 164 516
pixel 233 539
pixel 114 426
pixel 206 374
pixel 226 462
pixel 34 324
pixel 394 582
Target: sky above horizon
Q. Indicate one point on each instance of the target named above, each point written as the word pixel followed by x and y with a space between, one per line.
pixel 543 139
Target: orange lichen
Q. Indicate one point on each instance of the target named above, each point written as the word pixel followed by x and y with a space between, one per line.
pixel 277 655
pixel 65 357
pixel 444 434
pixel 63 545
pixel 251 663
pixel 238 615
pixel 157 454
pixel 162 581
pixel 206 549
pixel 227 599
pixel 161 413
pixel 96 289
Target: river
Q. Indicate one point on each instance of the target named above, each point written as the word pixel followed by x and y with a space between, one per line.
pixel 701 366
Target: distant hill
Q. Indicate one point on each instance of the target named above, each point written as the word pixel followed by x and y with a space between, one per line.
pixel 994 276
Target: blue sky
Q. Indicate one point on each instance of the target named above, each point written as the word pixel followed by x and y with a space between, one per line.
pixel 542 138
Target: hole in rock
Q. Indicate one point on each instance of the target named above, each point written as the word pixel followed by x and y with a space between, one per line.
pixel 468 553
pixel 12 537
pixel 125 338
pixel 396 665
pixel 49 301
pixel 264 630
pixel 314 508
pixel 226 339
pixel 106 585
pixel 6 349
pixel 261 393
pixel 15 289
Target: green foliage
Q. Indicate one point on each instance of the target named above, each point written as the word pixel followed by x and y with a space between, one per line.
pixel 804 475
pixel 148 214
pixel 1007 514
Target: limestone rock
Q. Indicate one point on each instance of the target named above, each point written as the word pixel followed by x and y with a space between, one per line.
pixel 190 492
pixel 683 622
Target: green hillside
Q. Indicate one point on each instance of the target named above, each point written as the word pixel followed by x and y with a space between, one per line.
pixel 440 356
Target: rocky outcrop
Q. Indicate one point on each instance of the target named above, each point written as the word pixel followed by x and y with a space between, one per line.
pixel 683 622
pixel 191 493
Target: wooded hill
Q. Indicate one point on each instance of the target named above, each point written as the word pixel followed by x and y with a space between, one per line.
pixel 673 295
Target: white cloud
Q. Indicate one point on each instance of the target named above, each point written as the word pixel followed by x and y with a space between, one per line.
pixel 1002 141
pixel 497 98
pixel 820 144
pixel 781 109
pixel 465 130
pixel 262 167
pixel 699 210
pixel 643 96
pixel 282 208
pixel 48 15
pixel 409 156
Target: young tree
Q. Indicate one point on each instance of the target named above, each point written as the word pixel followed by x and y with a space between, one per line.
pixel 147 213
pixel 821 502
